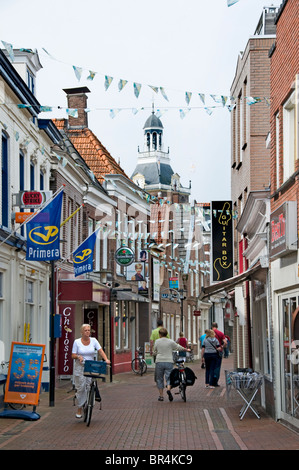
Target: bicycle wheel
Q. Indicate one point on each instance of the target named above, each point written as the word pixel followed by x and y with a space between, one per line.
pixel 143 367
pixel 182 386
pixel 90 403
pixel 139 366
pixel 183 391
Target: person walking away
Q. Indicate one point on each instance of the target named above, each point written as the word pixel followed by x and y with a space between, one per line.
pixel 84 349
pixel 226 350
pixel 182 341
pixel 163 350
pixel 210 348
pixel 155 335
pixel 223 343
pixel 202 337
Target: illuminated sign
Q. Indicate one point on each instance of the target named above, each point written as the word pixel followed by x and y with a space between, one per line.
pixel 29 199
pixel 283 230
pixel 222 240
pixel 124 256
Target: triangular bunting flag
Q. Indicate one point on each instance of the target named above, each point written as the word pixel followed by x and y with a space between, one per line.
pixel 188 96
pixel 137 88
pixel 9 48
pixel 122 84
pixel 78 72
pixel 91 75
pixel 108 81
pixel 163 93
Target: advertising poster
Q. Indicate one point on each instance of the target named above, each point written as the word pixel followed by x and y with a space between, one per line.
pixel 24 373
pixel 136 272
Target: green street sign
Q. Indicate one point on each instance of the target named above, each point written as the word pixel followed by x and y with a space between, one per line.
pixel 124 256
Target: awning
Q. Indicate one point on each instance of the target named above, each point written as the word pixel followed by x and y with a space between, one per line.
pixel 256 272
pixel 70 290
pixel 130 296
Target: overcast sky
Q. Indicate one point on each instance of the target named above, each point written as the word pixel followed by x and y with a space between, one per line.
pixel 189 46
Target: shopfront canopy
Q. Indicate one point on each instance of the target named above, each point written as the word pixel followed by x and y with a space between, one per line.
pixel 256 272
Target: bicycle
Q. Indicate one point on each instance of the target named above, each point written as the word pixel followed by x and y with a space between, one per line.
pixel 190 356
pixel 138 364
pixel 94 370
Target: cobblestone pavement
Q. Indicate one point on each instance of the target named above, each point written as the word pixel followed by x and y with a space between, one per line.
pixel 132 419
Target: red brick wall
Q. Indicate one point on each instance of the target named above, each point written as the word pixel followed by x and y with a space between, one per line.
pixel 284 67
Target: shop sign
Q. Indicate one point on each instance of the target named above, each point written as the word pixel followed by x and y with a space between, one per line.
pixel 173 283
pixel 24 373
pixel 222 240
pixel 124 256
pixel 65 361
pixel 283 230
pixel 33 198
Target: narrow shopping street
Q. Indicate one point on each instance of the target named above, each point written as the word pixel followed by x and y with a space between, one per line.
pixel 133 420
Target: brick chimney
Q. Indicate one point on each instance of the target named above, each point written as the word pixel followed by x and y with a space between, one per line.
pixel 77 99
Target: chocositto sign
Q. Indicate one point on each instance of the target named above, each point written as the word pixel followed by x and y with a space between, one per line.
pixel 124 256
pixel 283 226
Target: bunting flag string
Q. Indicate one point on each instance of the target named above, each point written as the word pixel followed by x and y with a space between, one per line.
pixel 221 99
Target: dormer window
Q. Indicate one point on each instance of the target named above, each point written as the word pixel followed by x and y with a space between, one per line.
pixel 31 82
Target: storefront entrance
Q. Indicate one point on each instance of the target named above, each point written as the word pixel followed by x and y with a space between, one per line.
pixel 289 347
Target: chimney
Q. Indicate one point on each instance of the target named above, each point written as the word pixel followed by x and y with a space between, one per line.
pixel 77 99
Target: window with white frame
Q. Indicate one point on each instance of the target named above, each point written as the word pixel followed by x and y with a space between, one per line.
pixel 277 129
pixel 289 123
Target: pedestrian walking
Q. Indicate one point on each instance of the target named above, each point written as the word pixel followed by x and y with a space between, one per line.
pixel 201 339
pixel 210 348
pixel 226 350
pixel 182 341
pixel 163 350
pixel 84 348
pixel 155 335
pixel 223 343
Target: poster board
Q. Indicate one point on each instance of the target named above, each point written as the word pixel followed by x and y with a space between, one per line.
pixel 24 373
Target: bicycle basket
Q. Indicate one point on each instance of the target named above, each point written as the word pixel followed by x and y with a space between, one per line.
pixel 94 368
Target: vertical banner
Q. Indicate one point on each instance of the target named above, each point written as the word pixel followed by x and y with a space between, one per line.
pixel 222 241
pixel 91 318
pixel 24 373
pixel 43 232
pixel 65 361
pixel 156 280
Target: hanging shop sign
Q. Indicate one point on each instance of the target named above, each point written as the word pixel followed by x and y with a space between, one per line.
pixel 173 283
pixel 24 373
pixel 283 225
pixel 31 199
pixel 222 240
pixel 124 256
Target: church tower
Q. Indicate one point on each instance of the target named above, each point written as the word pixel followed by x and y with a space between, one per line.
pixel 153 172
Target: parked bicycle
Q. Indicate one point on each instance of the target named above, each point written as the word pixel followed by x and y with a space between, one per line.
pixel 138 364
pixel 190 356
pixel 95 370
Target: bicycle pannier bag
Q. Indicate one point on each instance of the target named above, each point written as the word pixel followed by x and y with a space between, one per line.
pixel 190 376
pixel 174 377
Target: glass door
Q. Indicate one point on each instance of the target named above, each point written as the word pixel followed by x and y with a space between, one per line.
pixel 290 343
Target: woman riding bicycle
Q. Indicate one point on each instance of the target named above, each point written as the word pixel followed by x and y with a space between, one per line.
pixel 84 349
